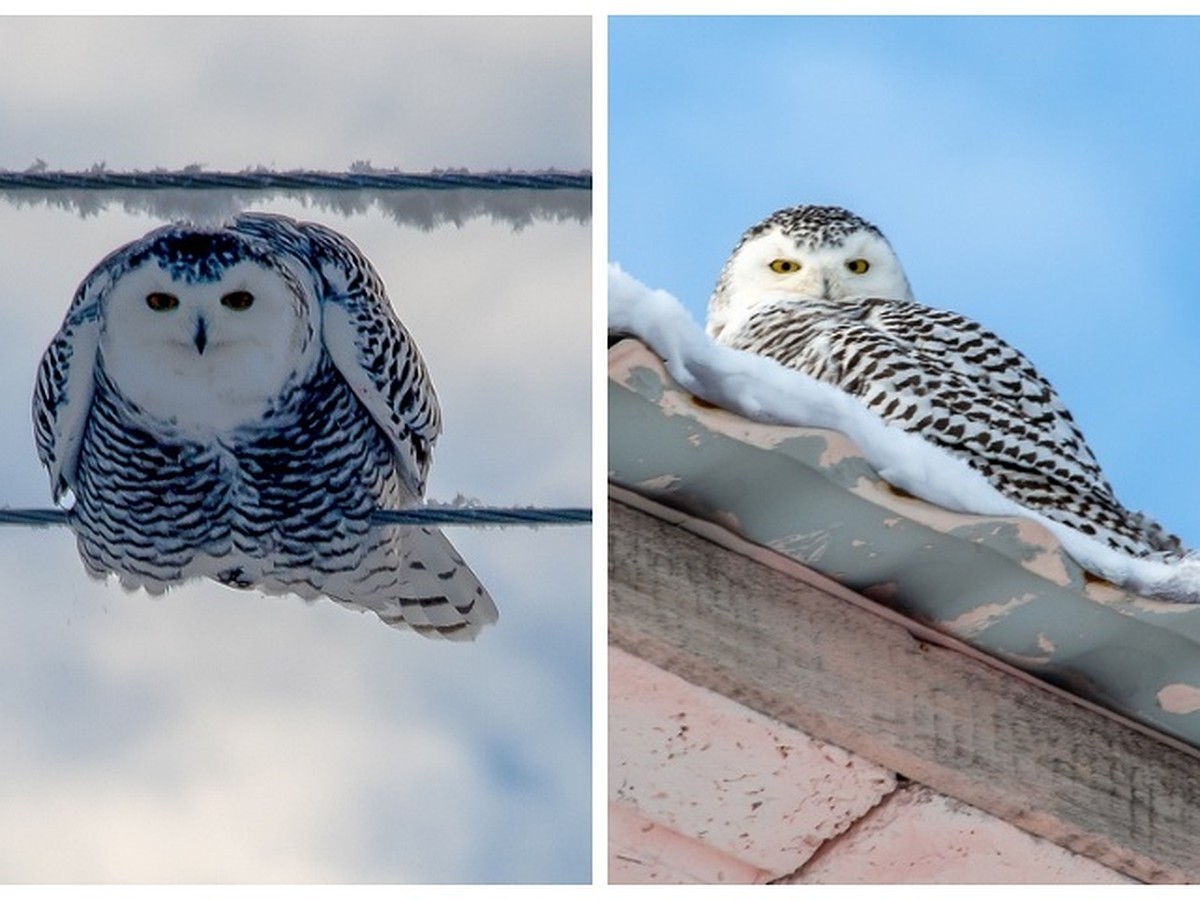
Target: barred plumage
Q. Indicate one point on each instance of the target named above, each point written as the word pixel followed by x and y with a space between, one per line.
pixel 233 402
pixel 820 290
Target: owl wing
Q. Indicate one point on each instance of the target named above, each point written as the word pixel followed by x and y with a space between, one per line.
pixel 979 374
pixel 373 351
pixel 62 394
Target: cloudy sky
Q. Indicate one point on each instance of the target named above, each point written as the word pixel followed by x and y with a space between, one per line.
pixel 1037 174
pixel 222 735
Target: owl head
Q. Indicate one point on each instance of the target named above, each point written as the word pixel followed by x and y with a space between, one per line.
pixel 821 253
pixel 206 326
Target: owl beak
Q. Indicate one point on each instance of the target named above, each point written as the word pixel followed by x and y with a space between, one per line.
pixel 200 339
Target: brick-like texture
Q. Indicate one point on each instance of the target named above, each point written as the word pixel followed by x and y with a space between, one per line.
pixel 709 770
pixel 703 790
pixel 918 836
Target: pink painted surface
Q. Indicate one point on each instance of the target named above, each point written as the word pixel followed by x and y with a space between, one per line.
pixel 711 771
pixel 641 851
pixel 917 836
pixel 704 790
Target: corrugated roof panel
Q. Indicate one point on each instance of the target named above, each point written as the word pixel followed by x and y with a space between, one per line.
pixel 1003 585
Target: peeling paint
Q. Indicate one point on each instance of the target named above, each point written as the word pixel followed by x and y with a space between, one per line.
pixel 1181 699
pixel 646 381
pixel 660 484
pixel 972 623
pixel 807 548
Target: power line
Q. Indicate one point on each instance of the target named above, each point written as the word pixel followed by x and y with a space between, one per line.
pixel 37 518
pixel 480 515
pixel 425 515
pixel 299 180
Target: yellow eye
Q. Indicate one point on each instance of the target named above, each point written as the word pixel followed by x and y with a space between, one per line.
pixel 160 302
pixel 783 266
pixel 238 300
pixel 858 266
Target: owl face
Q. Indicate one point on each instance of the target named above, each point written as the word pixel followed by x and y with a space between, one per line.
pixel 210 352
pixel 775 263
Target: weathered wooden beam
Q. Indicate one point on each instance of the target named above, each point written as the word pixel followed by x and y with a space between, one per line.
pixel 804 655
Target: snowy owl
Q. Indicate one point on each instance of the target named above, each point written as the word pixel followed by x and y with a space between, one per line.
pixel 820 290
pixel 233 402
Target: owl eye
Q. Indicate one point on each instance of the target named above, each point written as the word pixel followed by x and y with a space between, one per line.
pixel 858 266
pixel 783 266
pixel 238 300
pixel 160 302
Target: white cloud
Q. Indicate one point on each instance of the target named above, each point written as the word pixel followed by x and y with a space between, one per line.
pixel 292 92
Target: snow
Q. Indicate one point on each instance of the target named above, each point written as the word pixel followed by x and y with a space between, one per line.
pixel 765 391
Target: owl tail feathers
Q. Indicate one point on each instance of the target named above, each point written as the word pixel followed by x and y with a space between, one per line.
pixel 416 579
pixel 1171 573
pixel 1156 537
pixel 410 577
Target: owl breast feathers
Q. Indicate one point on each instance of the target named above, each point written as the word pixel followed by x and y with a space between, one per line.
pixel 820 290
pixel 234 403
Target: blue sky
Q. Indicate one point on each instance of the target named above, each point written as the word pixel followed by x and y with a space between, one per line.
pixel 1037 174
pixel 219 735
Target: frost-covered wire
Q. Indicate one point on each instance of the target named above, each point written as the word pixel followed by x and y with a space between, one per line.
pixel 480 515
pixel 424 200
pixel 38 518
pixel 428 515
pixel 298 180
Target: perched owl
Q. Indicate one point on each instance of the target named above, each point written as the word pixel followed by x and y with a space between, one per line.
pixel 234 402
pixel 820 290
